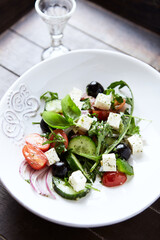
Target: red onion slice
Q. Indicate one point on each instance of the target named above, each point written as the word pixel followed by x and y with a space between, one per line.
pixel 25 170
pixel 37 180
pixel 49 184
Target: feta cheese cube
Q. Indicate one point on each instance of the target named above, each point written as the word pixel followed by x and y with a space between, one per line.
pixel 108 162
pixel 51 156
pixel 76 95
pixel 114 120
pixel 77 180
pixel 135 143
pixel 103 101
pixel 84 122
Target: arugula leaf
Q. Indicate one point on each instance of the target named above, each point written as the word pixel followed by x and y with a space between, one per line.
pixel 126 119
pixel 124 166
pixel 55 120
pixel 116 97
pixel 51 96
pixel 120 84
pixel 101 130
pixel 86 105
pixel 70 109
pixel 133 129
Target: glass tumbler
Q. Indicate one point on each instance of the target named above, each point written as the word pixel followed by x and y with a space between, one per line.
pixel 55 13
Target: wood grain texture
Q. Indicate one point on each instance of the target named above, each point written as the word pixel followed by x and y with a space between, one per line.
pixel 144 226
pixel 18 54
pixel 73 37
pixel 6 80
pixel 17 223
pixel 117 32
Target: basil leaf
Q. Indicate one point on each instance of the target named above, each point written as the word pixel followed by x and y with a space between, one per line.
pixel 70 109
pixel 55 120
pixel 124 166
pixel 51 96
pixel 86 105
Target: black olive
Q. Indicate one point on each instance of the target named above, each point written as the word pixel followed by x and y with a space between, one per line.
pixel 123 151
pixel 44 126
pixel 59 169
pixel 94 88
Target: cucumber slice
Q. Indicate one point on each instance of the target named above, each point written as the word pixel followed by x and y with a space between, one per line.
pixel 54 106
pixel 82 145
pixel 76 165
pixel 67 191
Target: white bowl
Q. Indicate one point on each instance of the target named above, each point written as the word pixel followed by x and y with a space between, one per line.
pixel 21 106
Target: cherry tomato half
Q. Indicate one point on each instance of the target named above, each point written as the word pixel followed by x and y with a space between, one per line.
pixel 63 134
pixel 34 156
pixel 101 114
pixel 36 140
pixel 112 179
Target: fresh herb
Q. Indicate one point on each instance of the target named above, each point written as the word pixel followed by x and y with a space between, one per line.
pixel 59 143
pixel 121 84
pixel 35 122
pixel 86 105
pixel 46 135
pixel 48 96
pixel 101 130
pixel 28 181
pixel 55 120
pixel 115 97
pixel 126 120
pixel 124 166
pixel 70 110
pixel 133 128
pixel 89 186
pixel 66 182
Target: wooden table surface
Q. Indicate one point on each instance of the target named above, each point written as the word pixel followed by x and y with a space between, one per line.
pixel 20 48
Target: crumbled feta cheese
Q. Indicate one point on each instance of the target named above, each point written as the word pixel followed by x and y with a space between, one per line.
pixel 108 162
pixel 103 101
pixel 135 143
pixel 76 95
pixel 77 181
pixel 52 156
pixel 84 122
pixel 114 120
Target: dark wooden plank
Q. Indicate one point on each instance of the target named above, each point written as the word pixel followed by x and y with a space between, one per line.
pixel 144 226
pixel 17 223
pixel 12 10
pixel 156 206
pixel 143 12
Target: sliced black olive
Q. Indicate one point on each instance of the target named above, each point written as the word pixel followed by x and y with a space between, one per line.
pixel 94 88
pixel 44 126
pixel 59 169
pixel 123 151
